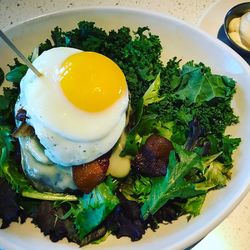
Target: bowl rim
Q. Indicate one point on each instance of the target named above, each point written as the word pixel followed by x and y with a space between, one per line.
pixel 227 21
pixel 219 217
pixel 125 9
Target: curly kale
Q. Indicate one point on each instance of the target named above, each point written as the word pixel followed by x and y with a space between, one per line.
pixel 215 117
pixel 192 91
pixel 137 54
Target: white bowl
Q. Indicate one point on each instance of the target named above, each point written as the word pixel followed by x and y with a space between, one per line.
pixel 185 42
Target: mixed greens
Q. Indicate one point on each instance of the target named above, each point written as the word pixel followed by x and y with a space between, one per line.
pixel 183 102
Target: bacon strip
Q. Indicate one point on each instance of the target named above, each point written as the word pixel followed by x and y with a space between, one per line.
pixel 88 176
pixel 152 158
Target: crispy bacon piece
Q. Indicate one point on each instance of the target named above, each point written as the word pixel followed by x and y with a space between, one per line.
pixel 152 157
pixel 89 175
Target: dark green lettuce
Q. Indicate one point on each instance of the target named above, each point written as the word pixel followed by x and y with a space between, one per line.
pixel 174 183
pixel 94 207
pixel 197 86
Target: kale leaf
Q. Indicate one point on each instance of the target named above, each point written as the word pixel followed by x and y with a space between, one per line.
pixel 197 86
pixel 10 94
pixel 16 74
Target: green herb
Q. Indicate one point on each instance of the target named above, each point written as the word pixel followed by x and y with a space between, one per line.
pixel 192 91
pixel 152 93
pixel 138 135
pixel 198 87
pixel 16 74
pixel 193 205
pixel 94 207
pixel 136 188
pixel 215 176
pixel 174 183
pixel 143 124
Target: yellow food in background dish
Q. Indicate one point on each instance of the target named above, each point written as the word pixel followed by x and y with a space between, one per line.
pixel 245 30
pixel 239 30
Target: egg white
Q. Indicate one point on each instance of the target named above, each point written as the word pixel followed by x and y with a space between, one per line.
pixel 69 135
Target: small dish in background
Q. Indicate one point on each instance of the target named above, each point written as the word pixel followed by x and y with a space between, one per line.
pixel 236 26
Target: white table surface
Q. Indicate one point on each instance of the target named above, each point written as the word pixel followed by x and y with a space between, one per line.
pixel 234 232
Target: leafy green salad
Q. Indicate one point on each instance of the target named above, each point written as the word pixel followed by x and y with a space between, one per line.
pixel 181 105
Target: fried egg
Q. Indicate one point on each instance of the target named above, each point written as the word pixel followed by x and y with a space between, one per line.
pixel 77 107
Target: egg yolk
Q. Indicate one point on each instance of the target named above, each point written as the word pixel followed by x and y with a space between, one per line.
pixel 91 81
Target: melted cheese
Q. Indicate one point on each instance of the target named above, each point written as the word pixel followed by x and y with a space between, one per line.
pixel 119 167
pixel 44 175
